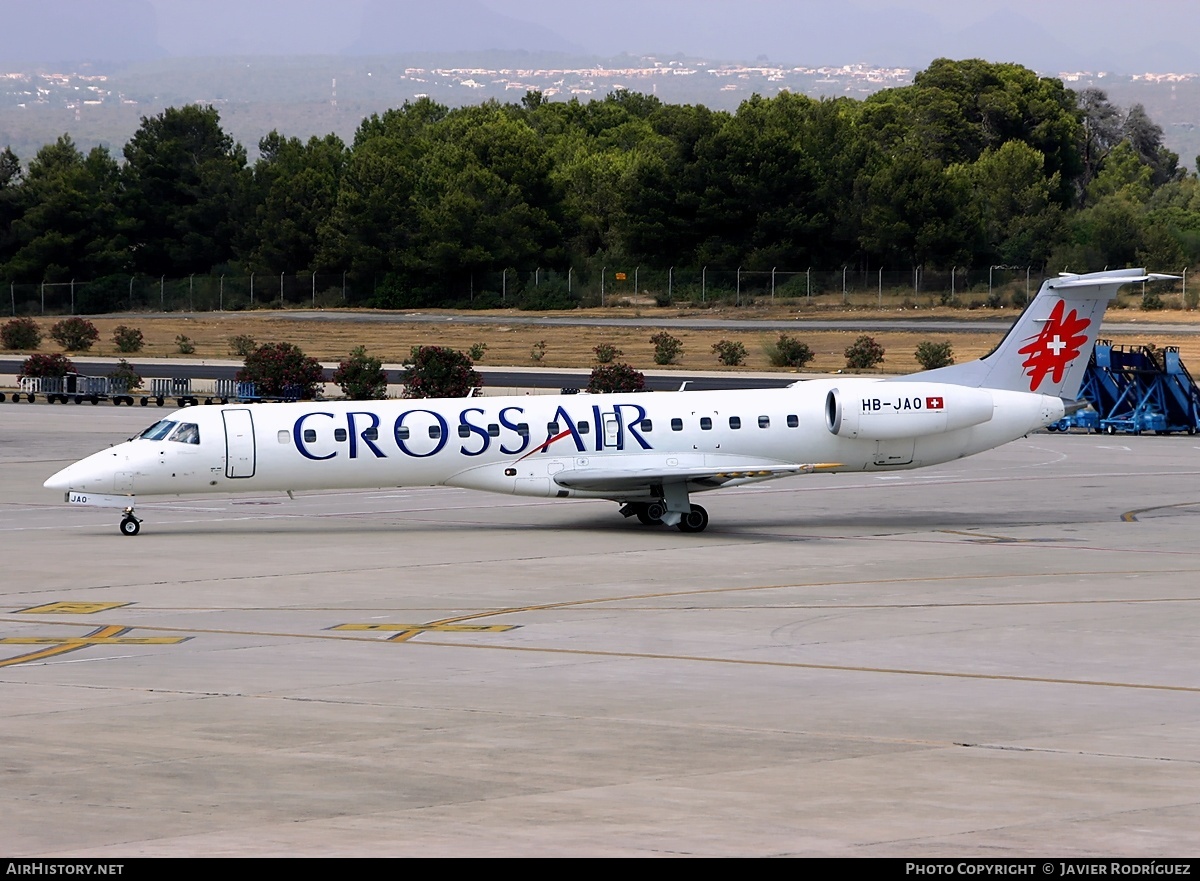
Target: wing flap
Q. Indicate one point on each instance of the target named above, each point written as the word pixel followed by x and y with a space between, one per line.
pixel 629 479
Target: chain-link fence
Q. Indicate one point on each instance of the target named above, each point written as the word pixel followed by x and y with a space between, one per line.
pixel 542 288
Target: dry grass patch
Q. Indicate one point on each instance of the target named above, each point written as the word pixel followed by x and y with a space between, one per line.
pixel 331 339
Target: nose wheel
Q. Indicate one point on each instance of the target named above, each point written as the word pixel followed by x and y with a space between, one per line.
pixel 130 525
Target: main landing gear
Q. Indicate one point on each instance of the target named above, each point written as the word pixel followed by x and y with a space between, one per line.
pixel 130 525
pixel 656 514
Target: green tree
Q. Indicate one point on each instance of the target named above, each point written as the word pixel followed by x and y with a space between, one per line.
pixel 911 212
pixel 185 190
pixel 10 210
pixel 66 216
pixel 295 189
pixel 484 199
pixel 1011 205
pixel 1145 137
pixel 1101 131
pixel 779 174
pixel 957 109
pixel 370 230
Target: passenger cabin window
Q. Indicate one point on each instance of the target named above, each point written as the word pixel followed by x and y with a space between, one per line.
pixel 310 435
pixel 647 425
pixel 676 425
pixel 764 421
pixel 158 430
pixel 464 430
pixel 584 427
pixel 339 435
pixel 523 429
pixel 284 436
pixel 187 433
pixel 735 422
pixel 371 434
pixel 793 421
pixel 435 431
pixel 705 423
pixel 552 428
pixel 402 433
pixel 493 430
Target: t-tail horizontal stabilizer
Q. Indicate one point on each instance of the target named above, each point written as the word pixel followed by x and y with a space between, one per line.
pixel 1047 350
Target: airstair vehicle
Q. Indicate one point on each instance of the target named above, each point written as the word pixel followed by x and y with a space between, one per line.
pixel 1136 389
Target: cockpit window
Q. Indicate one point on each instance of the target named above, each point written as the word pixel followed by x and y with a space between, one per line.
pixel 158 430
pixel 187 433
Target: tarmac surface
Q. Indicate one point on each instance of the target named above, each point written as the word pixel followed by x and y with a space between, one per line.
pixel 992 658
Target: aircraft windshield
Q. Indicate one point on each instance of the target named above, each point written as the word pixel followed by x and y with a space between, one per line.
pixel 187 433
pixel 158 430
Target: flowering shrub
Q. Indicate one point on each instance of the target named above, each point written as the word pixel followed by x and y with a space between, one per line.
pixel 361 376
pixel 242 344
pixel 729 352
pixel 74 334
pixel 125 376
pixel 616 378
pixel 789 352
pixel 21 333
pixel 666 348
pixel 282 369
pixel 47 365
pixel 128 339
pixel 606 353
pixel 864 353
pixel 931 355
pixel 439 372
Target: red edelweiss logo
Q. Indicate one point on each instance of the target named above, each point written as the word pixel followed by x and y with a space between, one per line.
pixel 1055 347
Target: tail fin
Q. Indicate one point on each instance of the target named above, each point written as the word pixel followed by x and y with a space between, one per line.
pixel 1048 348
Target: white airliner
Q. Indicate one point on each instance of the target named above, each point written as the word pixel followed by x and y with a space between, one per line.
pixel 647 452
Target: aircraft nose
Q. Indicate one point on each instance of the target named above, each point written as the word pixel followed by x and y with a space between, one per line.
pixel 93 474
pixel 60 480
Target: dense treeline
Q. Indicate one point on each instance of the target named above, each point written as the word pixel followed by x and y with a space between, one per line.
pixel 974 164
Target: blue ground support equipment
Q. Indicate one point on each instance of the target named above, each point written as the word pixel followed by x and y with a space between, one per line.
pixel 1135 389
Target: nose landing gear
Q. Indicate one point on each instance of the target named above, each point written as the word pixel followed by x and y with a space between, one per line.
pixel 130 525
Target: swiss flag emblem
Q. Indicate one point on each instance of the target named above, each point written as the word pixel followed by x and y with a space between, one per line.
pixel 1052 351
pixel 934 403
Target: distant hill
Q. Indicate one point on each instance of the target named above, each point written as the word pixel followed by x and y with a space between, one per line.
pixel 53 31
pixel 449 26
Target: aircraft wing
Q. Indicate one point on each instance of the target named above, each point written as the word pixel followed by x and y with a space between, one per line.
pixel 618 480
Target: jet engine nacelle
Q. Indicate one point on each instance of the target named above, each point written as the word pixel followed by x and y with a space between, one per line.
pixel 883 411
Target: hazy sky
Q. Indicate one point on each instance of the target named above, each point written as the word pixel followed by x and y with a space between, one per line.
pixel 1112 35
pixel 1151 35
